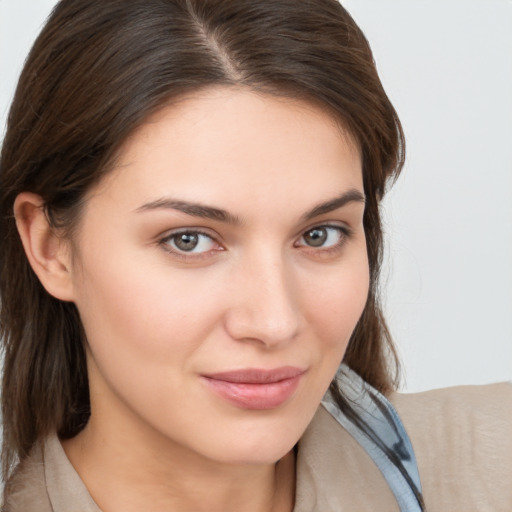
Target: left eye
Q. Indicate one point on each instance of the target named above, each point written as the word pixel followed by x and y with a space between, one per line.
pixel 190 242
pixel 322 236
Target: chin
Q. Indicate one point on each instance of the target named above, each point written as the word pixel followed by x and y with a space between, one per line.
pixel 255 455
pixel 266 446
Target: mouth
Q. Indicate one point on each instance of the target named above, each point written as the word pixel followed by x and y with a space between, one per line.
pixel 254 388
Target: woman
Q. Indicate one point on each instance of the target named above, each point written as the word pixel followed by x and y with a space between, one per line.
pixel 194 250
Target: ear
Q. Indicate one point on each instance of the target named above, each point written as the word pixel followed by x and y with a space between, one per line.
pixel 48 254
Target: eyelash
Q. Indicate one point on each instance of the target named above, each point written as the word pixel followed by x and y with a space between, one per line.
pixel 344 234
pixel 164 242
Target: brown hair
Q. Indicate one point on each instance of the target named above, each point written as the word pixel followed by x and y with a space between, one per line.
pixel 95 73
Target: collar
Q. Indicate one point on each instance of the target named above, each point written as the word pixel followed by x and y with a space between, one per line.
pixel 366 443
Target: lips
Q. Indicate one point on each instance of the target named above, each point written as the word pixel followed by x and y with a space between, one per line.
pixel 255 388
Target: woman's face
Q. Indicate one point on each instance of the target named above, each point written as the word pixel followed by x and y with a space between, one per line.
pixel 220 270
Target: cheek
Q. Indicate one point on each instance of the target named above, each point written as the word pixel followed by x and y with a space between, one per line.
pixel 145 329
pixel 338 302
pixel 336 299
pixel 134 310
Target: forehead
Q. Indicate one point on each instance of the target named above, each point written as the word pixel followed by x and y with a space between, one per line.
pixel 230 145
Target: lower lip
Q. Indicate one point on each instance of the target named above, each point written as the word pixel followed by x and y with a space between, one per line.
pixel 255 396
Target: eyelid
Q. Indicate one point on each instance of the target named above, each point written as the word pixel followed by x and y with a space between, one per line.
pixel 345 234
pixel 164 239
pixel 342 226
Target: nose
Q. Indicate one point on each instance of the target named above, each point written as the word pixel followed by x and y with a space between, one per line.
pixel 263 308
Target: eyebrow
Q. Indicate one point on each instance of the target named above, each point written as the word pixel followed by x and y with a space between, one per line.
pixel 350 196
pixel 193 209
pixel 210 212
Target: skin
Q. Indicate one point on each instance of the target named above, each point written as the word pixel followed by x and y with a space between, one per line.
pixel 255 293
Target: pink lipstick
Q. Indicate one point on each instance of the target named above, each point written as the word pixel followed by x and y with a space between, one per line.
pixel 255 388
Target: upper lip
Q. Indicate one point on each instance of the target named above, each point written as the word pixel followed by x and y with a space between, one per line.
pixel 257 375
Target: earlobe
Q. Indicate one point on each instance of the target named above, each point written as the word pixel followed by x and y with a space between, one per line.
pixel 47 253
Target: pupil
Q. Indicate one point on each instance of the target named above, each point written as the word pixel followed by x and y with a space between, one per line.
pixel 186 241
pixel 316 237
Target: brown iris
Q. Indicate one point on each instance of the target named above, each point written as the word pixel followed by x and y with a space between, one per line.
pixel 186 241
pixel 315 237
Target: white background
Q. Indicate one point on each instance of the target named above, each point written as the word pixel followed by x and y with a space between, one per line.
pixel 447 67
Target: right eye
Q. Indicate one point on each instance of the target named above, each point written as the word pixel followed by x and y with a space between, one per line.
pixel 189 242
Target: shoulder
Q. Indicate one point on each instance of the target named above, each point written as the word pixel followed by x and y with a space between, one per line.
pixel 462 438
pixel 334 472
pixel 26 489
pixel 47 482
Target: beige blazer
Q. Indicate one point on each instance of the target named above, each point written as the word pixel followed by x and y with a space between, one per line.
pixel 462 438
